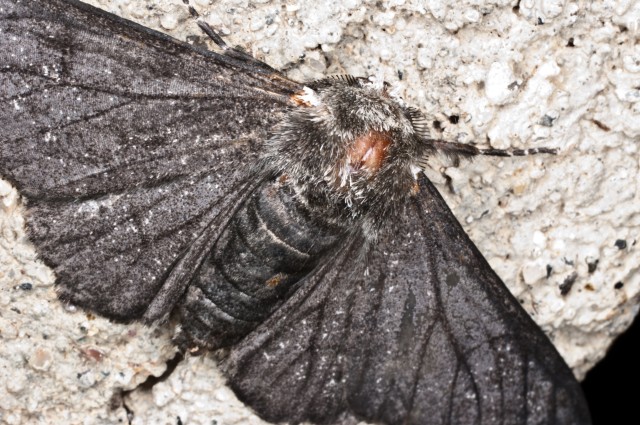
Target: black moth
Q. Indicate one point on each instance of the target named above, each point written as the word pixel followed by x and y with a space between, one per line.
pixel 288 223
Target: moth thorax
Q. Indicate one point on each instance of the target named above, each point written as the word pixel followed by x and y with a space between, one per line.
pixel 369 151
pixel 365 155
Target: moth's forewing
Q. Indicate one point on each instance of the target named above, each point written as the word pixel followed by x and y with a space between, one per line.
pixel 127 146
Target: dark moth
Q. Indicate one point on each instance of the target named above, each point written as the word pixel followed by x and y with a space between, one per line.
pixel 287 223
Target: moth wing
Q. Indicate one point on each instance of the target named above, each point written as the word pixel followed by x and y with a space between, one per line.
pixel 131 148
pixel 429 336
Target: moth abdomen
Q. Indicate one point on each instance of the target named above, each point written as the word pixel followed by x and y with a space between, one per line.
pixel 269 245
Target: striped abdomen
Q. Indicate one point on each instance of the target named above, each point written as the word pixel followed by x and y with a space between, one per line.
pixel 268 246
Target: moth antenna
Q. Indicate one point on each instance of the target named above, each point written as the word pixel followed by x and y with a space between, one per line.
pixel 233 52
pixel 349 79
pixel 327 81
pixel 214 36
pixel 457 151
pixel 419 122
pixel 518 152
pixel 423 162
pixel 454 149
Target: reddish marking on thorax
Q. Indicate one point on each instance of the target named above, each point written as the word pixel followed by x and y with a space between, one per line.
pixel 298 99
pixel 369 151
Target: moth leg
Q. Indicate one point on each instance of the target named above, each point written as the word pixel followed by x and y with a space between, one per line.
pixel 233 52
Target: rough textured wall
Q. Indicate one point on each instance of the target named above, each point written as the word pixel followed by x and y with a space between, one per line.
pixel 497 73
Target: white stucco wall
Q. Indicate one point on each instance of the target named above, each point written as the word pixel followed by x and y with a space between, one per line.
pixel 549 73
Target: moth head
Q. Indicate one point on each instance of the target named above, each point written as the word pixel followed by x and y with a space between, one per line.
pixel 352 141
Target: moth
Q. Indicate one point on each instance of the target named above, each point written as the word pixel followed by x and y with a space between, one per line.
pixel 287 225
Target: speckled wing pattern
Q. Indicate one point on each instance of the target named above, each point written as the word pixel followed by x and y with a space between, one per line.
pixel 424 333
pixel 130 148
pixel 133 151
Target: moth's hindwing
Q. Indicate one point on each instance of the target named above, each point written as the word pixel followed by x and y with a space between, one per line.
pixel 423 333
